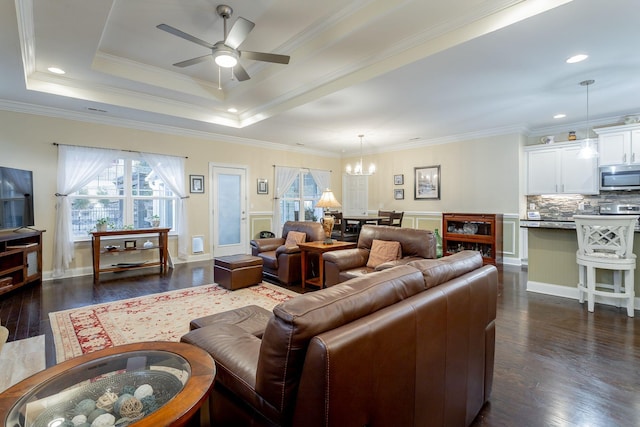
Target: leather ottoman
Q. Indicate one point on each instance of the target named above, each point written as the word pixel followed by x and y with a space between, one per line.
pixel 237 271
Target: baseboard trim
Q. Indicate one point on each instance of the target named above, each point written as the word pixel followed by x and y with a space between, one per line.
pixel 572 293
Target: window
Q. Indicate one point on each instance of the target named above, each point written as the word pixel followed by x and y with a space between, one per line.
pixel 128 193
pixel 298 195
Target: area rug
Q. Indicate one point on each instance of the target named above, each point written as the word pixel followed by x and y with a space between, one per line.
pixel 21 359
pixel 156 317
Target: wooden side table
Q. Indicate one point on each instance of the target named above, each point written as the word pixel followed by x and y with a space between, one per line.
pixel 65 382
pixel 319 248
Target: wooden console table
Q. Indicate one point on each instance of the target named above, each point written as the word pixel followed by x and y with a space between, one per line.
pixel 98 250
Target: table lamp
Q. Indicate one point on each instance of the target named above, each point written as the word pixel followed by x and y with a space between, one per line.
pixel 328 200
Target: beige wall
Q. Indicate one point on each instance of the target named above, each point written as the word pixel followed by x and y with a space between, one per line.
pixel 477 176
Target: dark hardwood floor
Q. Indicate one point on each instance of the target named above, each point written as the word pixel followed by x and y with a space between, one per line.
pixel 556 364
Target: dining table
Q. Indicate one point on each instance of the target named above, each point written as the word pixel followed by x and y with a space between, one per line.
pixel 362 220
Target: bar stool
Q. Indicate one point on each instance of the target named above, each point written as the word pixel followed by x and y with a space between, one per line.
pixel 606 242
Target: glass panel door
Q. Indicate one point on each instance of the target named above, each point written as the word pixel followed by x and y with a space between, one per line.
pixel 229 211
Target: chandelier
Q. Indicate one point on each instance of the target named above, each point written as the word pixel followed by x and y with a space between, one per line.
pixel 358 169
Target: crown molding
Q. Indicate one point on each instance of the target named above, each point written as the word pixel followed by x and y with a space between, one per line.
pixel 19 107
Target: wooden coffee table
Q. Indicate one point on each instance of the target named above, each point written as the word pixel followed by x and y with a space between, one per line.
pixel 181 373
pixel 319 248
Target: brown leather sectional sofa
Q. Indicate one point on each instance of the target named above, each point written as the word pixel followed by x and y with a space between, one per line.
pixel 349 263
pixel 412 345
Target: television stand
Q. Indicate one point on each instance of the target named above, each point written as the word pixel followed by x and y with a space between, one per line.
pixel 20 259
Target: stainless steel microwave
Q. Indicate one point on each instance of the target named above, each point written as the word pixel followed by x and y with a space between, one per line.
pixel 620 177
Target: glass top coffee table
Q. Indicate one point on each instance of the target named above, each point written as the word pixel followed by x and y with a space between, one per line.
pixel 142 384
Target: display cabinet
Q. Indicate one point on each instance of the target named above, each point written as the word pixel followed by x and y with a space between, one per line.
pixel 20 258
pixel 476 232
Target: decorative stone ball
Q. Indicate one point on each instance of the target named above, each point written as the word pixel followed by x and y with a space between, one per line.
pixel 131 408
pixel 149 404
pixel 143 391
pixel 129 389
pixel 79 419
pixel 104 420
pixel 106 401
pixel 85 407
pixel 95 414
pixel 120 401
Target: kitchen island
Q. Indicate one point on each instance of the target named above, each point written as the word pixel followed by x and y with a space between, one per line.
pixel 552 269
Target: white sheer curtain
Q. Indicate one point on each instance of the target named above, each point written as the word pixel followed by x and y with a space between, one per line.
pixel 322 178
pixel 171 170
pixel 284 178
pixel 77 166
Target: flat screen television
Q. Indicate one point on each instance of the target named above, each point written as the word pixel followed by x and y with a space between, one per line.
pixel 16 198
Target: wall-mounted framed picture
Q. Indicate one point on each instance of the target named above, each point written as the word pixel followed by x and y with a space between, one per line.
pixel 427 183
pixel 398 194
pixel 129 244
pixel 197 183
pixel 398 179
pixel 263 186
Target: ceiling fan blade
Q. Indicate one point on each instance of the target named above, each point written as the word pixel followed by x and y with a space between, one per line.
pixel 193 61
pixel 240 73
pixel 266 57
pixel 176 32
pixel 239 32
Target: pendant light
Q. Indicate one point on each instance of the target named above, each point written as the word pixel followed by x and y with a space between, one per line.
pixel 358 169
pixel 588 148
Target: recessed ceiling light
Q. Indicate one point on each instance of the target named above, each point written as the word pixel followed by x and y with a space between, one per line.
pixel 577 58
pixel 560 116
pixel 232 110
pixel 56 70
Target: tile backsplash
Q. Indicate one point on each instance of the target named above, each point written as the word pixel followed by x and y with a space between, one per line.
pixel 560 207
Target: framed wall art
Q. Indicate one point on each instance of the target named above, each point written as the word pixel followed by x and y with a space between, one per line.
pixel 398 179
pixel 398 194
pixel 197 183
pixel 263 186
pixel 427 183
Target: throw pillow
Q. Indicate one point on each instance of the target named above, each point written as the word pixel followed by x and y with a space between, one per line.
pixel 383 251
pixel 295 237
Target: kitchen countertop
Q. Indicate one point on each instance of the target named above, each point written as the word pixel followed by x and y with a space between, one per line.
pixel 559 224
pixel 555 224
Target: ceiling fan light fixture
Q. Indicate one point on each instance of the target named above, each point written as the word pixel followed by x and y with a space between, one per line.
pixel 226 58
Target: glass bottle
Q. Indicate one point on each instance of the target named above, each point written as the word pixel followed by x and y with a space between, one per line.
pixel 438 244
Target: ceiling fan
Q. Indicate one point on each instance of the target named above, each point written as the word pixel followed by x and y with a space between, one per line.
pixel 225 52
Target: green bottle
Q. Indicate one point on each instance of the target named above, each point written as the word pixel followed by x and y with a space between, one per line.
pixel 438 244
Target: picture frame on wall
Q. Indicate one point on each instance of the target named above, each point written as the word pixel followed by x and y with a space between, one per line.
pixel 398 194
pixel 196 183
pixel 398 179
pixel 263 186
pixel 427 183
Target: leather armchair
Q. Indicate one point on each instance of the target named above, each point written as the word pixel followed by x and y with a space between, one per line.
pixel 281 262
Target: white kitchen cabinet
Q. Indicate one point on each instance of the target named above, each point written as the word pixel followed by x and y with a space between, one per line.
pixel 556 169
pixel 619 145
